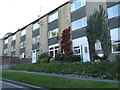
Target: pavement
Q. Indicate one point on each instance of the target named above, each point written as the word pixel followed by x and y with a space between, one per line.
pixel 8 84
pixel 66 76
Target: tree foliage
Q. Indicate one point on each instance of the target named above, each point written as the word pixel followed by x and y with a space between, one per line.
pixel 98 29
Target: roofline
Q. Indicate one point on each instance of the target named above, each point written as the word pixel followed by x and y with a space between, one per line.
pixel 38 19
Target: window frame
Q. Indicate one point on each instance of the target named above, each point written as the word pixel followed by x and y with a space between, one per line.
pixel 23 32
pixel 80 23
pixel 113 11
pixel 53 16
pixel 36 26
pixel 80 4
pixel 50 35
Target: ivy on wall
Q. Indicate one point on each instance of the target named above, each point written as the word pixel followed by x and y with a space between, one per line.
pixel 98 29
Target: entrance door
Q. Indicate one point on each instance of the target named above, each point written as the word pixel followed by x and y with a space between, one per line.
pixel 85 53
pixel 34 57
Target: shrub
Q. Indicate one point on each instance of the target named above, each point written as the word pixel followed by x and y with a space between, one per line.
pixel 59 57
pixel 44 60
pixel 52 59
pixel 41 56
pixel 72 58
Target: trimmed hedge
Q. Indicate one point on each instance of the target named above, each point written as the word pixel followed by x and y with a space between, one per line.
pixel 102 70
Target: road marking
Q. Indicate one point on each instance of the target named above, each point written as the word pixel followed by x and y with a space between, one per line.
pixel 12 84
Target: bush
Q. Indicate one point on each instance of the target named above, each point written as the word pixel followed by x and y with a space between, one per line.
pixel 52 59
pixel 59 57
pixel 72 58
pixel 102 70
pixel 43 56
pixel 44 60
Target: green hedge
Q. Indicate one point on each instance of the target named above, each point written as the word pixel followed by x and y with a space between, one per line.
pixel 102 70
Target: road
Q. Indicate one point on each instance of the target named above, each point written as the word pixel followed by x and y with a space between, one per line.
pixel 5 84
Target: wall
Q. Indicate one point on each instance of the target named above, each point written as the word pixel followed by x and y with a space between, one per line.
pixel 29 41
pixel 44 35
pixel 17 53
pixel 1 47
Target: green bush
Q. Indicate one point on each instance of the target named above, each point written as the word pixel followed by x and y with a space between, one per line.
pixel 44 60
pixel 59 57
pixel 72 58
pixel 43 56
pixel 102 70
pixel 52 59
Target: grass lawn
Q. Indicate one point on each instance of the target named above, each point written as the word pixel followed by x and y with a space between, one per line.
pixel 56 82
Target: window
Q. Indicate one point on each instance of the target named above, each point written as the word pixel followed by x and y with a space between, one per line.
pixel 6 41
pixel 13 37
pixel 113 11
pixel 76 50
pixel 22 44
pixel 53 17
pixel 79 23
pixel 13 48
pixel 36 39
pixel 77 4
pixel 36 25
pixel 116 47
pixel 5 51
pixel 23 32
pixel 98 45
pixel 53 33
pixel 53 50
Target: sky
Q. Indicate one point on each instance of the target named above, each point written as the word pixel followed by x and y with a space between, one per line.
pixel 15 14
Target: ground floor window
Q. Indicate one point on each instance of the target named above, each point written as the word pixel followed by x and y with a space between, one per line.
pixel 23 55
pixel 53 50
pixel 116 46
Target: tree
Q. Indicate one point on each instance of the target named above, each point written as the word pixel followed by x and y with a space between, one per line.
pixel 98 29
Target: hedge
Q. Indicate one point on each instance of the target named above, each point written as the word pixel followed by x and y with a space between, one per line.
pixel 102 70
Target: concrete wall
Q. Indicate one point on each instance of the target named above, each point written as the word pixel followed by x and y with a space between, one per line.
pixel 44 34
pixel 29 41
pixel 9 46
pixel 1 47
pixel 17 53
pixel 91 6
pixel 64 19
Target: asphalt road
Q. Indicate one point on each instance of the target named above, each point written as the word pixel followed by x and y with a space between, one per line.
pixel 9 85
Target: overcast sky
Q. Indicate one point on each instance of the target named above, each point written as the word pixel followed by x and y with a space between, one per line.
pixel 16 14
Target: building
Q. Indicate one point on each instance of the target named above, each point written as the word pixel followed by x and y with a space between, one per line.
pixel 44 34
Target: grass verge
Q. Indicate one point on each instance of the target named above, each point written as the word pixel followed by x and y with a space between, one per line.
pixel 56 82
pixel 102 70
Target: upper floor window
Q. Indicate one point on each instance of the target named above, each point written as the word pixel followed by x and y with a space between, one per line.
pixel 53 33
pixel 13 37
pixel 77 4
pixel 22 45
pixel 23 32
pixel 114 11
pixel 36 40
pixel 53 17
pixel 6 41
pixel 79 23
pixel 36 25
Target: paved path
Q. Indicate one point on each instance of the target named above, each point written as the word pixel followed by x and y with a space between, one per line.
pixel 65 76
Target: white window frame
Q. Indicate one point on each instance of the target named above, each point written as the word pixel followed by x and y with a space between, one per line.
pixel 54 49
pixel 115 43
pixel 6 41
pixel 81 2
pixel 53 16
pixel 36 39
pixel 36 26
pixel 112 13
pixel 23 44
pixel 23 32
pixel 53 31
pixel 80 23
pixel 13 48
